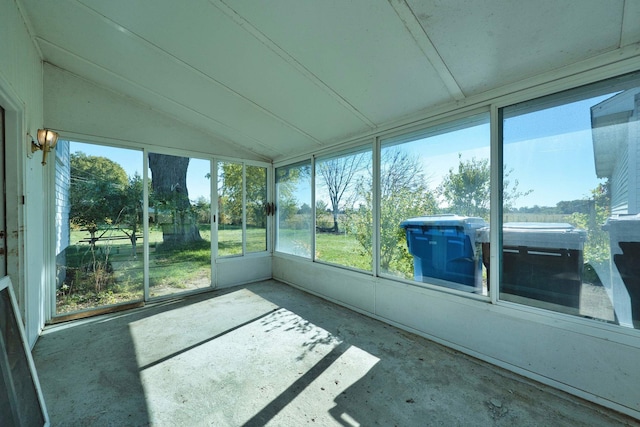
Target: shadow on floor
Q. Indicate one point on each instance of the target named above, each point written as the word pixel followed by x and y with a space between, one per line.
pixel 268 354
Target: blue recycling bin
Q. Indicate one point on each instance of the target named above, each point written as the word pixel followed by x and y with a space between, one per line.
pixel 444 247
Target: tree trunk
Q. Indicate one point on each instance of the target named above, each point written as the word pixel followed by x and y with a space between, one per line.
pixel 169 185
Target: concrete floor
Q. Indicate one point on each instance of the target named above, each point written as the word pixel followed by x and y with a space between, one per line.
pixel 268 354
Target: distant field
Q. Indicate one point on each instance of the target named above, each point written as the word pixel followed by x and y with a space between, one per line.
pixel 529 217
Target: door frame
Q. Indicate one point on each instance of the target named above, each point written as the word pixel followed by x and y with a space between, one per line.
pixel 15 154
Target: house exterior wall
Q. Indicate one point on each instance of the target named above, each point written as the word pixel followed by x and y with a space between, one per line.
pixel 620 182
pixel 21 94
pixel 634 163
pixel 62 206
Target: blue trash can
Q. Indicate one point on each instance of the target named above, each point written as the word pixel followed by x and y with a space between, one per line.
pixel 444 247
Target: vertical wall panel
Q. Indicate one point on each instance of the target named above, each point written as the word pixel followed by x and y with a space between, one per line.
pixel 21 72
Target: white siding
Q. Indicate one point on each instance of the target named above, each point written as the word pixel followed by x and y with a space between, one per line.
pixel 62 206
pixel 620 182
pixel 634 161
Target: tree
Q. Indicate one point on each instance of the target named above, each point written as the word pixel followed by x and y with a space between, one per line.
pixel 597 245
pixel 288 180
pixel 337 174
pixel 467 189
pixel 202 208
pixel 101 195
pixel 230 193
pixel 171 198
pixel 130 214
pixel 96 191
pixel 403 194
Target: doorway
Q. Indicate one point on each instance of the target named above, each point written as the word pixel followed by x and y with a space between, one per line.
pixel 126 235
pixel 3 202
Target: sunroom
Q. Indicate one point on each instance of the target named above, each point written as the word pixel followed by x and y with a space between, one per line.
pixel 465 172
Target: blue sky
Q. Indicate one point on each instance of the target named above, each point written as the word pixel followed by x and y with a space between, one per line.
pixel 550 152
pixel 131 162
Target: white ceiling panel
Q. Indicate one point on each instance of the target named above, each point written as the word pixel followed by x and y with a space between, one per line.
pixel 157 101
pixel 205 38
pixel 133 59
pixel 491 43
pixel 284 77
pixel 360 49
pixel 630 23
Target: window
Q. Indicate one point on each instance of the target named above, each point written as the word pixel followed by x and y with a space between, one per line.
pixel 343 209
pixel 294 222
pixel 230 213
pixel 256 202
pixel 434 197
pixel 571 229
pixel 242 201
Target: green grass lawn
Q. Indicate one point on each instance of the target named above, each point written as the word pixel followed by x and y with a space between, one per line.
pixel 111 274
pixel 342 249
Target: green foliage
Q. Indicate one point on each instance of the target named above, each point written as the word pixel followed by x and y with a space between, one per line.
pixel 231 196
pixel 403 194
pixel 467 189
pixel 596 247
pixel 98 190
pixel 202 208
pixel 288 180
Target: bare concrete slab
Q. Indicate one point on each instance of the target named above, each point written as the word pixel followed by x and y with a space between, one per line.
pixel 268 354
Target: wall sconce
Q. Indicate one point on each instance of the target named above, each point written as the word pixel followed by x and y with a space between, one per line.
pixel 47 140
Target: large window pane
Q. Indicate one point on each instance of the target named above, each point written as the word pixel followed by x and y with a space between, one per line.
pixel 571 242
pixel 293 210
pixel 230 196
pixel 434 197
pixel 98 226
pixel 343 209
pixel 256 184
pixel 179 228
pixel 234 181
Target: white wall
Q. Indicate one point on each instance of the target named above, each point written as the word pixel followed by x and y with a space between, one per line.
pixel 21 96
pixel 240 270
pixel 599 363
pixel 81 110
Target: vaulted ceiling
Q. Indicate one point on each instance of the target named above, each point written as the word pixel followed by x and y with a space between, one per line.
pixel 282 77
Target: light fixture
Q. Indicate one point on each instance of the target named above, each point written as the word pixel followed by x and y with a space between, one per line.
pixel 47 140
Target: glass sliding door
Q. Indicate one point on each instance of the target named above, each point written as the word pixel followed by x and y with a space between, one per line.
pixel 179 224
pixel 99 239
